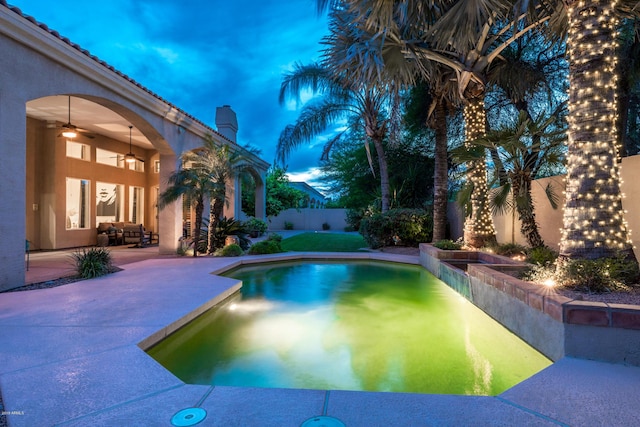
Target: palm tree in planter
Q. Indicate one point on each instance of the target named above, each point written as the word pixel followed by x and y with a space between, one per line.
pixel 594 225
pixel 221 163
pixel 193 184
pixel 526 148
pixel 204 177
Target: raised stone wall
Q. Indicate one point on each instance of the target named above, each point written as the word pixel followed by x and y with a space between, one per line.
pixel 555 325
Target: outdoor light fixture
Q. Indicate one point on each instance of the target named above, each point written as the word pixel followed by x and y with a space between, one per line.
pixel 69 130
pixel 130 157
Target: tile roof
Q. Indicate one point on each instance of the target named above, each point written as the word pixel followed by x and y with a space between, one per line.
pixel 79 48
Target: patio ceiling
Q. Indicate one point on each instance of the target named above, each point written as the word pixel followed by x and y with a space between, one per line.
pixel 86 115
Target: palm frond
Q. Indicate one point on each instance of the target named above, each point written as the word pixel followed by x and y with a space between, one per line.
pixel 314 119
pixel 500 200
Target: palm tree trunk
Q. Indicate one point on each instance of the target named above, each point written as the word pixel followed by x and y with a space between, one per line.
pixel 440 176
pixel 521 187
pixel 384 174
pixel 198 226
pixel 594 225
pixel 478 227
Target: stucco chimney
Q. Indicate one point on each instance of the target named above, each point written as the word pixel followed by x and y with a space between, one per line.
pixel 226 122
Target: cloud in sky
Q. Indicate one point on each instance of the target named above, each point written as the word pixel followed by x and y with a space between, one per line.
pixel 200 55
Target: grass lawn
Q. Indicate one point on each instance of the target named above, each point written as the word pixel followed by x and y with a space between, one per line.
pixel 324 242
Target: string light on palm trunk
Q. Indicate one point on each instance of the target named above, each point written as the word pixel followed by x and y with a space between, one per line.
pixel 481 222
pixel 593 216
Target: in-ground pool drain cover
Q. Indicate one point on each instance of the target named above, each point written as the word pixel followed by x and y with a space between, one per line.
pixel 188 417
pixel 322 421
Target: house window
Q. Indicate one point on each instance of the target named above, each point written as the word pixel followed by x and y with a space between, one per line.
pixel 77 213
pixel 110 158
pixel 136 205
pixel 156 166
pixel 137 166
pixel 78 151
pixel 109 202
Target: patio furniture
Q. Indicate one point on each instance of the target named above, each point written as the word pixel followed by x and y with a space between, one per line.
pixel 135 233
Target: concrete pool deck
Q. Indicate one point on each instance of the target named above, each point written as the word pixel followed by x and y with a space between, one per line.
pixel 70 356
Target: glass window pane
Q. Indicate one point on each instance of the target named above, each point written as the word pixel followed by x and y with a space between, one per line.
pixel 77 204
pixel 136 205
pixel 109 202
pixel 78 151
pixel 110 158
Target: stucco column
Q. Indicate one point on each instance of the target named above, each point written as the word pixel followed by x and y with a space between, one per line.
pixel 13 149
pixel 261 197
pixel 233 198
pixel 170 217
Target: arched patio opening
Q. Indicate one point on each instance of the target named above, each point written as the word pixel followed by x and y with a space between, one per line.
pixel 75 183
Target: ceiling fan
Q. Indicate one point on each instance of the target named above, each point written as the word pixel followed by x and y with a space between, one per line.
pixel 71 131
pixel 130 157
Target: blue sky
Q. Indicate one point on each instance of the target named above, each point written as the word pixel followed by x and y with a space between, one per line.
pixel 199 55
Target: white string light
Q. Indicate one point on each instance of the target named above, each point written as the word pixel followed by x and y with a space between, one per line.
pixel 592 170
pixel 479 226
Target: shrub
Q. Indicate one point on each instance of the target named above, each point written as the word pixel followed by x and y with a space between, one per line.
pixel 597 275
pixel 269 246
pixel 230 227
pixel 231 250
pixel 407 227
pixel 509 249
pixel 255 226
pixel 447 245
pixel 275 236
pixel 542 255
pixel 326 226
pixel 593 276
pixel 288 225
pixel 376 231
pixel 91 263
pixel 354 217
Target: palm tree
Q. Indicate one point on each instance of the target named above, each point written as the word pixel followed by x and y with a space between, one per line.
pixel 340 100
pixel 526 148
pixel 467 37
pixel 193 184
pixel 594 225
pixel 221 164
pixel 204 176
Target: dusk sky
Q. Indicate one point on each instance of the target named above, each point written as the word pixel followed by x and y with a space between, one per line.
pixel 199 55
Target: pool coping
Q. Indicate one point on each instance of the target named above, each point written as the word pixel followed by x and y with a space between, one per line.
pixel 70 356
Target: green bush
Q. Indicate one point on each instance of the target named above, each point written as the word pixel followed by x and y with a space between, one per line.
pixel 541 255
pixel 269 246
pixel 93 262
pixel 326 226
pixel 228 227
pixel 255 226
pixel 275 236
pixel 447 245
pixel 598 275
pixel 288 225
pixel 231 250
pixel 406 227
pixel 354 217
pixel 509 249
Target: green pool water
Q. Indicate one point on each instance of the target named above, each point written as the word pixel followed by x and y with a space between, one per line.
pixel 348 326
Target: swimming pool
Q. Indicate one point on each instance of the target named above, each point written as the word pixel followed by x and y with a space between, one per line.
pixel 349 326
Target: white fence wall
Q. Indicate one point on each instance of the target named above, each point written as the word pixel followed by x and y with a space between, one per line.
pixel 550 220
pixel 310 219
